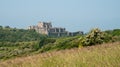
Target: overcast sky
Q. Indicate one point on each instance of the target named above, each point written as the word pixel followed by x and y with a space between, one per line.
pixel 72 14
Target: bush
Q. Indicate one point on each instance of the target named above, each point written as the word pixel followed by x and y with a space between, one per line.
pixel 95 37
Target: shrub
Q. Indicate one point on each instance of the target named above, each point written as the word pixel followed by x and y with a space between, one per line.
pixel 95 36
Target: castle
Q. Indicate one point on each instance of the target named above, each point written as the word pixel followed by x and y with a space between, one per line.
pixel 46 28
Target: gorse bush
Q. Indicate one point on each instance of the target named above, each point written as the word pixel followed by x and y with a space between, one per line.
pixel 95 36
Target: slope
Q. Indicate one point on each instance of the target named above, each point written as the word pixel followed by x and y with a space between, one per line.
pixel 104 55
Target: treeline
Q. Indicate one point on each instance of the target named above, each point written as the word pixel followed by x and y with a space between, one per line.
pixel 8 34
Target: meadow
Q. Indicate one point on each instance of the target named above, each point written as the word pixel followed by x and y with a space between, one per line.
pixel 104 55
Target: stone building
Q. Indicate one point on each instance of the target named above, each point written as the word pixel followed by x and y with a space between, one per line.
pixel 46 28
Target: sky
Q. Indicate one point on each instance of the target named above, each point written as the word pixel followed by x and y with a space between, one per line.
pixel 74 15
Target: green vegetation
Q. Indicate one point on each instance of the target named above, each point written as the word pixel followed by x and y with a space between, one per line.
pixel 19 42
pixel 95 36
pixel 60 43
pixel 10 49
pixel 114 33
pixel 105 55
pixel 8 34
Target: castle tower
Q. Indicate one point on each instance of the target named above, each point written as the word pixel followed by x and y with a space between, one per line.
pixel 45 25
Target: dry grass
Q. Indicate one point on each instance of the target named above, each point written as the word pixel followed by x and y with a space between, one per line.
pixel 105 55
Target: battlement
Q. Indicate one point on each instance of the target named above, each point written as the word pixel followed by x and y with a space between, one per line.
pixel 46 28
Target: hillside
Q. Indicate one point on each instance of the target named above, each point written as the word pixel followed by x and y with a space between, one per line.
pixel 19 42
pixel 105 55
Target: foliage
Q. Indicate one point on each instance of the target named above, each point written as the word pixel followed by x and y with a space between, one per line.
pixel 95 36
pixel 19 35
pixel 61 43
pixel 114 33
pixel 10 49
pixel 45 41
pixel 17 42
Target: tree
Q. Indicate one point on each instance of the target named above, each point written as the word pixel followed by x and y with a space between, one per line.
pixel 1 27
pixel 7 26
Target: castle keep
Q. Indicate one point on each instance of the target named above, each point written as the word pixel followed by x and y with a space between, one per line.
pixel 46 28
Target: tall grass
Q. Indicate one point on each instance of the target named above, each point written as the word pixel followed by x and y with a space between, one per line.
pixel 105 55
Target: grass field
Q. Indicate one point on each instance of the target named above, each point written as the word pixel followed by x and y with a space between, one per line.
pixel 105 55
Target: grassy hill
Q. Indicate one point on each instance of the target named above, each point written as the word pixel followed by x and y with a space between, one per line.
pixel 19 42
pixel 105 55
pixel 58 52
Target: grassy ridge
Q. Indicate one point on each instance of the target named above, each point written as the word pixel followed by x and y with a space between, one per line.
pixel 105 55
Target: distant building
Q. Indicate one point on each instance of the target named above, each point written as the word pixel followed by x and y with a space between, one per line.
pixel 46 28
